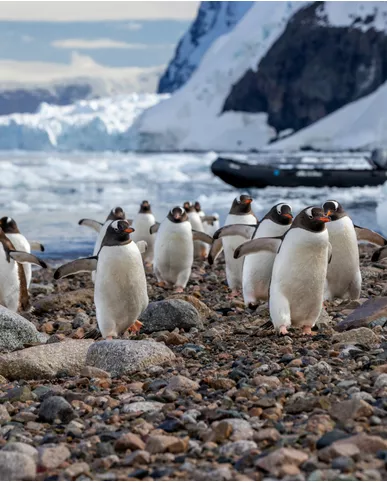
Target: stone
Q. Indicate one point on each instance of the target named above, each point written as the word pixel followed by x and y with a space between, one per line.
pixel 94 372
pixel 221 431
pixel 16 466
pixel 182 384
pixel 361 336
pixel 330 437
pixel 63 301
pixel 344 464
pixel 125 357
pixel 143 407
pixel 221 383
pixel 238 448
pixel 267 381
pixel 176 339
pixel 267 434
pixel 273 462
pixel 157 444
pixel 338 449
pixel 241 429
pixel 381 381
pixel 203 310
pixel 351 410
pixel 324 319
pixel 4 415
pixel 39 289
pixel 77 469
pixel 22 448
pixel 129 441
pixel 369 444
pixel 19 394
pixel 45 361
pixel 369 314
pixel 168 315
pixel 56 408
pixel 16 331
pixel 52 456
pixel 321 368
pixel 140 457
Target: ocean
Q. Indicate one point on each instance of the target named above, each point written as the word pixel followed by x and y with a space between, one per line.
pixel 47 193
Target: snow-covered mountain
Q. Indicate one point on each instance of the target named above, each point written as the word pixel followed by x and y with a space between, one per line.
pixel 283 67
pixel 213 20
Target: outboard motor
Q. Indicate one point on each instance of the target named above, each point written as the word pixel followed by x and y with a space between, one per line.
pixel 379 158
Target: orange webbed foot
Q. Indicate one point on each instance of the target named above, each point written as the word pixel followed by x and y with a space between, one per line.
pixel 136 327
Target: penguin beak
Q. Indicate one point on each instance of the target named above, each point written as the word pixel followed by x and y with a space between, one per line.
pixel 329 213
pixel 324 219
pixel 287 215
pixel 247 201
pixel 129 230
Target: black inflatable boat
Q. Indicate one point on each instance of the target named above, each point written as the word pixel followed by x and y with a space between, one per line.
pixel 246 174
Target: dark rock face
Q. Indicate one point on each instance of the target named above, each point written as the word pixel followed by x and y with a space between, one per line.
pixel 213 19
pixel 28 100
pixel 312 70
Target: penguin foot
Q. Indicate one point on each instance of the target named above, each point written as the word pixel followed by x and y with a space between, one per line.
pixel 179 289
pixel 283 330
pixel 136 327
pixel 109 338
pixel 307 330
pixel 162 284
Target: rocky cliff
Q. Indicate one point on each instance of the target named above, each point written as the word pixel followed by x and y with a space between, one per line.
pixel 320 63
pixel 213 20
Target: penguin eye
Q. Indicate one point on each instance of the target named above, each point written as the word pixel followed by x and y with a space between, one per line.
pixel 310 217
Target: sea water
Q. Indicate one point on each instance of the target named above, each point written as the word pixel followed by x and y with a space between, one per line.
pixel 49 193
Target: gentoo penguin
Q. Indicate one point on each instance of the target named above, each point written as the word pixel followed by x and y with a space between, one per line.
pixel 240 213
pixel 114 215
pixel 200 248
pixel 297 284
pixel 174 249
pixel 13 283
pixel 257 267
pixel 198 209
pixel 11 230
pixel 120 293
pixel 142 223
pixel 343 276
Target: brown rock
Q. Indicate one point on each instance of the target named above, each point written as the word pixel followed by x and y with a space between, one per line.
pixel 202 308
pixel 351 410
pixel 270 382
pixel 77 469
pixel 52 456
pixel 274 462
pixel 158 444
pixel 267 434
pixel 48 327
pixel 221 432
pixel 60 301
pixel 129 441
pixel 221 383
pixel 94 372
pixel 370 313
pixel 337 449
pixel 366 443
pixel 138 457
pixel 176 339
pixel 182 384
pixel 363 336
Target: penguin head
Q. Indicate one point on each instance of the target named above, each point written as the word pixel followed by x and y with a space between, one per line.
pixel 281 214
pixel 311 218
pixel 241 204
pixel 197 206
pixel 334 210
pixel 189 207
pixel 117 233
pixel 116 213
pixel 145 207
pixel 8 225
pixel 177 215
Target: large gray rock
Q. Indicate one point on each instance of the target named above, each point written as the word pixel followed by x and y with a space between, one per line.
pixel 371 313
pixel 45 361
pixel 362 336
pixel 16 331
pixel 22 448
pixel 170 314
pixel 16 466
pixel 124 357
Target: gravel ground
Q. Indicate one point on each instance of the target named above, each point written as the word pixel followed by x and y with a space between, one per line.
pixel 237 402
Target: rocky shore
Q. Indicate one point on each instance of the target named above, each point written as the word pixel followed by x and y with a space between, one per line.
pixel 207 390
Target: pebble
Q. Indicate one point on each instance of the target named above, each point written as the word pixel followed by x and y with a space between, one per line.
pixel 351 410
pixel 142 407
pixel 22 448
pixel 238 448
pixel 52 456
pixel 182 384
pixel 54 408
pixel 16 466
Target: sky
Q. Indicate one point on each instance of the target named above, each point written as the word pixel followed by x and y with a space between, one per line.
pixel 51 36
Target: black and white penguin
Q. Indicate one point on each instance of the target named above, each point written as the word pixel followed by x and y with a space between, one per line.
pixel 114 215
pixel 299 271
pixel 120 293
pixel 240 213
pixel 174 250
pixel 257 267
pixel 11 230
pixel 343 276
pixel 13 282
pixel 194 217
pixel 142 223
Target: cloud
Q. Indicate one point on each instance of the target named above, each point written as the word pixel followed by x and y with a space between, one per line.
pixel 133 26
pixel 62 11
pixel 103 43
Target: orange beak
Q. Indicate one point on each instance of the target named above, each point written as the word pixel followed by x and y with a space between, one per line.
pixel 247 201
pixel 328 213
pixel 129 230
pixel 324 219
pixel 287 215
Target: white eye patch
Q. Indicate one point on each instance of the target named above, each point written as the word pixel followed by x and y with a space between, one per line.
pixel 335 203
pixel 114 225
pixel 9 220
pixel 309 212
pixel 279 207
